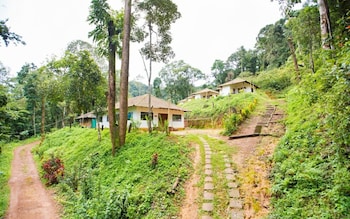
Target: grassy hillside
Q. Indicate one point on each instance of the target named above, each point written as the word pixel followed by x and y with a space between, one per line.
pixel 97 185
pixel 311 177
pixel 223 111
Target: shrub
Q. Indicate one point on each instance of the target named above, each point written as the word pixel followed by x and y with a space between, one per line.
pixel 54 169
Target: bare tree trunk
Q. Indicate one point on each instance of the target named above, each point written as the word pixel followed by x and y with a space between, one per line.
pixel 325 24
pixel 34 127
pixel 294 57
pixel 42 129
pixel 149 124
pixel 111 86
pixel 124 75
pixel 63 116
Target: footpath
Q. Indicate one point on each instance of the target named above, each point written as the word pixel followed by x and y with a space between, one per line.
pixel 245 140
pixel 208 195
pixel 29 198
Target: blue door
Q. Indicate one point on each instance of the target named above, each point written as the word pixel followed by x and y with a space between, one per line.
pixel 93 123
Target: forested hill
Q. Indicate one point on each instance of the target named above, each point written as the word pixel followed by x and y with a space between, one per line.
pixel 311 177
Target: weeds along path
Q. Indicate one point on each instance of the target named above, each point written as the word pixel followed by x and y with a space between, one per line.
pixel 28 198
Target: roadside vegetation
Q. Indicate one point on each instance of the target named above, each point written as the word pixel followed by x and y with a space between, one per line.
pixel 311 172
pixel 137 183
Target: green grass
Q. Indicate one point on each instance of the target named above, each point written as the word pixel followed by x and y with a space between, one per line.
pixel 216 107
pixel 225 112
pixel 5 171
pixel 311 174
pixel 97 185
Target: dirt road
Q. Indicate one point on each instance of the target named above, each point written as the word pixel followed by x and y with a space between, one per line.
pixel 29 198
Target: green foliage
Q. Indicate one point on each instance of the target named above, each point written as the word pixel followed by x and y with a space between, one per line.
pixel 8 36
pixel 231 123
pixel 158 17
pixel 242 60
pixel 233 120
pixel 274 80
pixel 133 184
pixel 137 88
pixel 82 82
pixel 272 45
pixel 179 78
pixel 311 174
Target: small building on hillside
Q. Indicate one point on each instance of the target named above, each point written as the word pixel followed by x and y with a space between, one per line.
pixel 87 120
pixel 205 94
pixel 235 86
pixel 161 111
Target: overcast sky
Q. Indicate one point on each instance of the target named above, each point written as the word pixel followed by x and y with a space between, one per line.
pixel 207 30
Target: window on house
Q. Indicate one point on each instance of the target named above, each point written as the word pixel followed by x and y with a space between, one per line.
pixel 177 118
pixel 144 116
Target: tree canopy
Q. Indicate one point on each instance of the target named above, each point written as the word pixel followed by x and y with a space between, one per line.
pixel 179 78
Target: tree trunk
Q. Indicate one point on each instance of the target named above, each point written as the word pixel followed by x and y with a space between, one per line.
pixel 325 24
pixel 111 85
pixel 149 124
pixel 34 127
pixel 42 129
pixel 294 57
pixel 124 75
pixel 63 116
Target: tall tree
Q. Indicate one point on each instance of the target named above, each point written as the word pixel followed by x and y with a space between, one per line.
pixel 124 76
pixel 82 79
pixel 25 79
pixel 219 72
pixel 272 45
pixel 107 33
pixel 157 82
pixel 41 84
pixel 305 32
pixel 325 24
pixel 77 46
pixel 179 78
pixel 159 15
pixel 331 12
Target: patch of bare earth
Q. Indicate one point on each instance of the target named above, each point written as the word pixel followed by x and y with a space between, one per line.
pixel 189 209
pixel 29 198
pixel 255 170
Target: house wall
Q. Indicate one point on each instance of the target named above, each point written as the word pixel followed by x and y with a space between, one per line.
pixel 198 96
pixel 225 91
pixel 85 123
pixel 205 95
pixel 236 88
pixel 136 116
